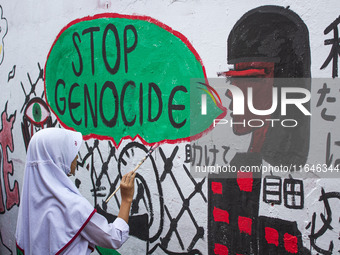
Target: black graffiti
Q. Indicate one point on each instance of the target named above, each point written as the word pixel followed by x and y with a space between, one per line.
pixel 199 155
pixel 198 186
pixel 36 116
pixel 11 73
pixel 329 155
pixel 293 193
pixel 335 51
pixel 326 220
pixel 33 86
pixel 323 92
pixel 97 189
pixel 4 245
pixel 36 112
pixel 94 100
pixel 281 227
pixel 109 29
pixel 272 189
pixel 146 198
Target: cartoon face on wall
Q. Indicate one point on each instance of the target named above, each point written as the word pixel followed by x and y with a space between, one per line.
pixel 266 43
pixel 262 87
pixel 271 42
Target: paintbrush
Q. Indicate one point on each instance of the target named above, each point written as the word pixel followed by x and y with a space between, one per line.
pixel 134 170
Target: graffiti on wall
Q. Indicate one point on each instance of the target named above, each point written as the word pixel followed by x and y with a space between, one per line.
pixel 96 83
pixel 107 90
pixel 9 195
pixel 36 114
pixel 3 32
pixel 335 50
pixel 151 220
pixel 327 222
pixel 233 215
pixel 102 88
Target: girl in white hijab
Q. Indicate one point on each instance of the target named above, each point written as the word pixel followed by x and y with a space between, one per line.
pixel 54 218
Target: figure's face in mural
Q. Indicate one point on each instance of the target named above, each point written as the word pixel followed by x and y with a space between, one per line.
pixel 262 92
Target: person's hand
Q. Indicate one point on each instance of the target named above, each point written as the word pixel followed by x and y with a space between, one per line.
pixel 127 187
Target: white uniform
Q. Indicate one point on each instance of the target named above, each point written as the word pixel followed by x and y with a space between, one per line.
pixel 54 218
pixel 98 232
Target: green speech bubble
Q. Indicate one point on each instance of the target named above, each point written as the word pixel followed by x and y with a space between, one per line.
pixel 114 76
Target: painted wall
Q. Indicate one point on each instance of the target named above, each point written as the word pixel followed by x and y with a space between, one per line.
pixel 120 73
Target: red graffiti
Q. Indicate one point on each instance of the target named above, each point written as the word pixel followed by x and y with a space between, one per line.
pixel 272 236
pixel 244 224
pixel 290 243
pixel 244 73
pixel 221 215
pixel 220 249
pixel 245 181
pixel 6 142
pixel 216 187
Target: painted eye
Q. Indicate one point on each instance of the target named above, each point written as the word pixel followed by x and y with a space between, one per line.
pixel 37 112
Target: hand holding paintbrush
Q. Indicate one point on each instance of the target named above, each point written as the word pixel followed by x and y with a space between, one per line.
pixel 134 170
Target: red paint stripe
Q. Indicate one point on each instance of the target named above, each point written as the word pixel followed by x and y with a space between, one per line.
pixel 290 243
pixel 244 73
pixel 245 181
pixel 245 224
pixel 221 249
pixel 221 215
pixel 75 236
pixel 272 236
pixel 216 187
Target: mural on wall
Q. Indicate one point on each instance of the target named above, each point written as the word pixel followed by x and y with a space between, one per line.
pixel 36 114
pixel 9 195
pixel 3 32
pixel 149 210
pixel 327 221
pixel 96 83
pixel 234 223
pixel 124 82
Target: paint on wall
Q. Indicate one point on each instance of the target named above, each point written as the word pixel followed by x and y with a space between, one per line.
pixel 173 212
pixel 275 40
pixel 10 196
pixel 126 75
pixel 335 49
pixel 152 220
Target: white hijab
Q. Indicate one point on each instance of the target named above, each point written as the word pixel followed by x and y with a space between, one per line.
pixel 52 211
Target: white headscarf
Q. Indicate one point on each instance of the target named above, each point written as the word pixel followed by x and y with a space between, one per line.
pixel 52 211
